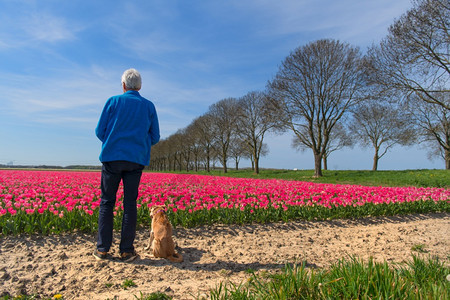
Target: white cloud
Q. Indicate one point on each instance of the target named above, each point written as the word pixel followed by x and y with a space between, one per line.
pixel 67 119
pixel 32 96
pixel 154 32
pixel 47 28
pixel 31 28
pixel 355 21
pixel 76 97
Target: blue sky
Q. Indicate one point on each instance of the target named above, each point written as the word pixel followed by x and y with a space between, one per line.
pixel 61 60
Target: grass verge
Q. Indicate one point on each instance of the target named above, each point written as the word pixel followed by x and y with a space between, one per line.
pixel 418 178
pixel 349 278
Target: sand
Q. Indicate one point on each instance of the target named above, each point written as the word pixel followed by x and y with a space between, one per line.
pixel 63 264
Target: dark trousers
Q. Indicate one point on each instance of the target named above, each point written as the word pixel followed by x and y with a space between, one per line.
pixel 112 173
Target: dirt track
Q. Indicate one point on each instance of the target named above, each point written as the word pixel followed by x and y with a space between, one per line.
pixel 63 264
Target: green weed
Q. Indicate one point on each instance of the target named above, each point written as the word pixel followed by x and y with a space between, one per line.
pixel 128 283
pixel 419 248
pixel 153 296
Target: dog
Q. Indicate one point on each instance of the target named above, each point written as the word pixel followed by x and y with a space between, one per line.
pixel 161 243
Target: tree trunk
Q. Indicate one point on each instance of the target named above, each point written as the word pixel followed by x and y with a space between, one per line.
pixel 256 157
pixel 208 160
pixel 196 162
pixel 325 162
pixel 224 162
pixel 256 165
pixel 237 164
pixel 447 159
pixel 375 160
pixel 318 165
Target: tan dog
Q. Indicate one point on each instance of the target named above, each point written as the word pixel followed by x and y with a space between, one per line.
pixel 161 243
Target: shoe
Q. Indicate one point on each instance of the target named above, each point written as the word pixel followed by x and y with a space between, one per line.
pixel 100 255
pixel 128 256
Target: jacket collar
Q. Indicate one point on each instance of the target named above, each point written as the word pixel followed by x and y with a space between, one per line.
pixel 132 92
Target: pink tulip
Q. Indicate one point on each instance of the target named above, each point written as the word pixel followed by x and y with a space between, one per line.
pixel 60 191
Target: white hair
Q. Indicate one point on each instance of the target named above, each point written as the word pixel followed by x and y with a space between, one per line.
pixel 132 79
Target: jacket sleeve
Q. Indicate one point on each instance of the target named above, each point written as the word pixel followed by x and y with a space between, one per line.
pixel 154 128
pixel 100 130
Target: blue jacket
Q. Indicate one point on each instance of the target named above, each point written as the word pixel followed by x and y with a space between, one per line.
pixel 128 127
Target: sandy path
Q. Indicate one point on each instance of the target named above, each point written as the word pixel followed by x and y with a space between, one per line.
pixel 63 264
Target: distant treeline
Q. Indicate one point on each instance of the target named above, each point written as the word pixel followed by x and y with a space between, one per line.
pixel 72 167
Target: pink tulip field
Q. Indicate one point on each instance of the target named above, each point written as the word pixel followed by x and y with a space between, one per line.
pixel 61 201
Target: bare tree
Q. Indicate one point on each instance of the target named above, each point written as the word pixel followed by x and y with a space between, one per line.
pixel 238 150
pixel 186 143
pixel 414 57
pixel 162 155
pixel 179 152
pixel 340 139
pixel 194 138
pixel 224 116
pixel 433 126
pixel 157 158
pixel 381 126
pixel 166 154
pixel 203 129
pixel 315 86
pixel 256 118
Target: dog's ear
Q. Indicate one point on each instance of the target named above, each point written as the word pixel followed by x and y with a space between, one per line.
pixel 155 208
pixel 152 211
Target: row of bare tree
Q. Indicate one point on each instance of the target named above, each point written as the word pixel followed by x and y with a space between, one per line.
pixel 332 96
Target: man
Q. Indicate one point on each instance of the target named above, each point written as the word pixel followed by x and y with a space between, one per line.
pixel 128 127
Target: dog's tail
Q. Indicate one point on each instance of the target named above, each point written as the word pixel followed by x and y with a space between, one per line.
pixel 176 257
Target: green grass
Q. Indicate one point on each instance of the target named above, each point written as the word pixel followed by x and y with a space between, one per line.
pixel 153 296
pixel 127 283
pixel 418 178
pixel 349 278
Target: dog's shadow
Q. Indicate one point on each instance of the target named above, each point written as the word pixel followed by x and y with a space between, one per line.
pixel 191 257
